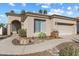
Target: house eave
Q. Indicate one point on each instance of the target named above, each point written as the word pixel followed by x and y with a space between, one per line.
pixel 41 16
pixel 37 15
pixel 12 14
pixel 63 17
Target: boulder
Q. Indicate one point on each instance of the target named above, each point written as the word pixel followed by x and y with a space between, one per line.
pixel 24 41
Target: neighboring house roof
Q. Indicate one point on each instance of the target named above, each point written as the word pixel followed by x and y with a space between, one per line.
pixel 40 15
pixel 77 19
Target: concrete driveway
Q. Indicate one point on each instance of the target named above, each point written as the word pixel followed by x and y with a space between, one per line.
pixel 7 48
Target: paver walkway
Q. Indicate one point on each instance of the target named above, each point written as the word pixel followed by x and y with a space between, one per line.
pixel 6 46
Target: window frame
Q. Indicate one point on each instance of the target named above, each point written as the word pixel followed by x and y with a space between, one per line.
pixel 35 21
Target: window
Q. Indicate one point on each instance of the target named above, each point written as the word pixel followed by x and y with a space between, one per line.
pixel 39 25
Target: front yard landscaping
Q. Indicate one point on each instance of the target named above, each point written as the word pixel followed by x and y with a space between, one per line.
pixel 31 40
pixel 52 47
pixel 49 52
pixel 22 39
pixel 68 49
pixel 64 49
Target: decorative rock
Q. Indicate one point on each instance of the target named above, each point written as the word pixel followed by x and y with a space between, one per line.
pixel 24 41
pixel 55 34
pixel 31 40
pixel 18 38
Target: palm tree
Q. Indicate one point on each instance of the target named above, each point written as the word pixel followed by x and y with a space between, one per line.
pixel 40 11
pixel 45 12
pixel 23 12
pixel 2 25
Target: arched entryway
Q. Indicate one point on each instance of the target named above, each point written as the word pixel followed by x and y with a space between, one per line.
pixel 16 25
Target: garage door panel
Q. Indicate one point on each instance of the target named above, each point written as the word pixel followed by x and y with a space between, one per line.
pixel 65 29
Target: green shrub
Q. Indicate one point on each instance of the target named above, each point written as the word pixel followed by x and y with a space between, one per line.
pixel 69 51
pixel 22 32
pixel 42 35
pixel 23 12
pixel 12 11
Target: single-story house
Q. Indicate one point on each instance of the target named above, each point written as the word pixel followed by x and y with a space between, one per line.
pixel 3 31
pixel 35 23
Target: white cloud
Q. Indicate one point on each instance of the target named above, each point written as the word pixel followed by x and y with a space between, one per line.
pixel 56 11
pixel 76 7
pixel 3 18
pixel 69 8
pixel 45 6
pixel 1 15
pixel 12 4
pixel 69 13
pixel 34 11
pixel 23 4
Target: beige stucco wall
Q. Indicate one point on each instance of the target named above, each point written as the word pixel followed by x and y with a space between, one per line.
pixel 29 25
pixel 1 31
pixel 12 18
pixel 50 25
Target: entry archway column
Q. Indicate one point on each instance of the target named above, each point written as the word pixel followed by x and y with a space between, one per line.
pixel 9 29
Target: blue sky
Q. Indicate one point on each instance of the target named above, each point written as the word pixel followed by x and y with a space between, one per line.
pixel 65 9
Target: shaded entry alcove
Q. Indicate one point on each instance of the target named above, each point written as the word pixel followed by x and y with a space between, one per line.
pixel 16 25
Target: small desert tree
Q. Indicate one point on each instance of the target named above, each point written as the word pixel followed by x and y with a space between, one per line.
pixel 2 25
pixel 45 12
pixel 23 12
pixel 12 11
pixel 40 11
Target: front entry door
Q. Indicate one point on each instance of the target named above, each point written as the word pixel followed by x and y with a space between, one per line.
pixel 16 25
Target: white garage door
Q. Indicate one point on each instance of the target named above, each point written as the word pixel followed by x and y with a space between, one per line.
pixel 65 29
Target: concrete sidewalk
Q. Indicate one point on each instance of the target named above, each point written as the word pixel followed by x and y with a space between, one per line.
pixel 7 48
